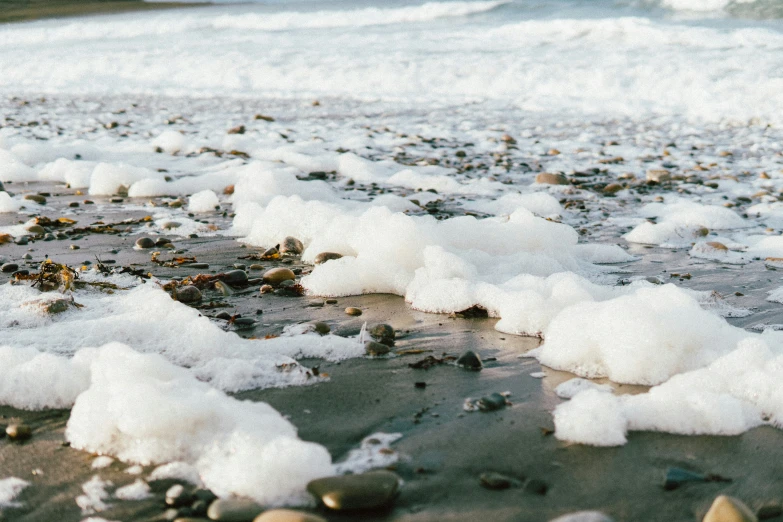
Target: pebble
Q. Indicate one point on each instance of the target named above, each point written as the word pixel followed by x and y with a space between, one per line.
pixel 162 241
pixel 470 360
pixel 235 277
pixel 291 245
pixel 18 431
pixel 168 225
pixel 9 267
pixel 57 306
pixel 244 321
pixel 74 247
pixel 658 175
pixel 266 289
pixel 383 333
pixel 188 294
pixel 145 242
pixel 348 492
pixel 729 509
pixel 321 328
pixel 287 283
pixel 612 188
pixel 177 496
pixel 675 477
pixel 276 276
pixel 717 245
pixel 223 315
pixel 548 178
pixel 492 402
pixel 36 197
pixel 256 267
pixel 492 480
pixel 331 301
pixel 21 240
pixel 769 511
pixel 73 204
pixel 315 304
pixel 49 237
pixel 323 257
pixel 196 265
pixel 36 230
pixel 240 266
pixel 373 348
pixel 352 310
pixel 234 510
pixel 287 515
pixel 271 252
pixel 27 257
pixel 584 516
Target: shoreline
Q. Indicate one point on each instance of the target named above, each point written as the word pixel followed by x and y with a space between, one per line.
pixel 16 11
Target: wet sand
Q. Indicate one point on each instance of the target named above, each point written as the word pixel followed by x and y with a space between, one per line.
pixel 26 10
pixel 443 449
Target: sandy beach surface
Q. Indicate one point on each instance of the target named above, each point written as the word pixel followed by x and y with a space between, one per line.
pixel 212 220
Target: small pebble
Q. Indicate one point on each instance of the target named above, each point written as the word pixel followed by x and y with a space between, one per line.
pixel 256 267
pixel 18 432
pixel 375 349
pixel 168 225
pixel 315 304
pixel 383 333
pixel 145 242
pixel 371 490
pixel 188 294
pixel 321 328
pixel 287 515
pixel 74 247
pixel 234 510
pixel 276 276
pixel 470 360
pixel 9 267
pixel 36 198
pixel 352 310
pixel 323 257
pixel 266 289
pixel 292 246
pixel 235 277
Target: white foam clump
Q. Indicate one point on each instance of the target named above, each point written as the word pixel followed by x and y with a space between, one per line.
pixel 143 409
pixel 170 141
pixel 94 494
pixel 704 250
pixel 680 223
pixel 735 393
pixel 101 462
pixel 539 203
pixel 138 490
pixel 35 376
pixel 8 204
pixel 569 388
pixel 108 178
pixel 13 169
pixel 10 488
pixel 177 470
pixel 204 201
pixel 76 173
pixel 644 337
pixel 776 295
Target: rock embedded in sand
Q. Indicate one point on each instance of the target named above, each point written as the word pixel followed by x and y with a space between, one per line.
pixel 492 402
pixel 235 277
pixel 36 198
pixel 321 328
pixel 188 294
pixel 584 516
pixel 729 509
pixel 373 348
pixel 36 230
pixel 371 490
pixel 234 510
pixel 18 432
pixel 352 310
pixel 9 267
pixel 145 242
pixel 323 257
pixel 382 333
pixel 287 515
pixel 291 245
pixel 548 178
pixel 276 276
pixel 658 175
pixel 470 360
pixel 492 480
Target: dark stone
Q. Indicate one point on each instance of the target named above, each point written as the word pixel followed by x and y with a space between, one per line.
pixel 188 294
pixel 235 277
pixel 373 348
pixel 372 490
pixel 177 496
pixel 145 242
pixel 492 480
pixel 470 360
pixel 769 511
pixel 9 267
pixel 19 432
pixel 492 402
pixel 323 257
pixel 538 487
pixel 383 333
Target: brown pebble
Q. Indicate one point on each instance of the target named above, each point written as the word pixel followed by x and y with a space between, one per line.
pixel 547 178
pixel 371 490
pixel 287 515
pixel 19 432
pixel 373 348
pixel 276 276
pixel 321 328
pixel 729 509
pixel 323 257
pixel 352 310
pixel 266 289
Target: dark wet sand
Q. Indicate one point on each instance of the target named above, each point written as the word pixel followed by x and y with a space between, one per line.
pixel 25 10
pixel 445 452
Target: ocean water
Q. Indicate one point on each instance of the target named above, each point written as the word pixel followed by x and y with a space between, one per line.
pixel 704 59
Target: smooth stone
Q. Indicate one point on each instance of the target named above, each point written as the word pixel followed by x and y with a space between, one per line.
pixel 383 333
pixel 223 315
pixel 36 197
pixel 547 178
pixel 287 283
pixel 769 511
pixel 235 277
pixel 352 310
pixel 240 266
pixel 331 301
pixel 244 321
pixel 729 509
pixel 373 348
pixel 161 241
pixel 74 247
pixel 177 496
pixel 188 294
pixel 291 245
pixel 73 204
pixel 49 237
pixel 276 276
pixel 234 510
pixel 9 267
pixel 27 257
pixel 197 265
pixel 584 516
pixel 287 515
pixel 271 252
pixel 18 431
pixel 492 402
pixel 57 306
pixel 23 240
pixel 470 360
pixel 256 267
pixel 321 328
pixel 168 225
pixel 145 242
pixel 266 289
pixel 675 477
pixel 658 175
pixel 37 230
pixel 492 480
pixel 348 492
pixel 315 304
pixel 323 257
pixel 612 188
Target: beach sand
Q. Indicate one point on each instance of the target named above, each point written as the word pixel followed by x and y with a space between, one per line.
pixel 25 10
